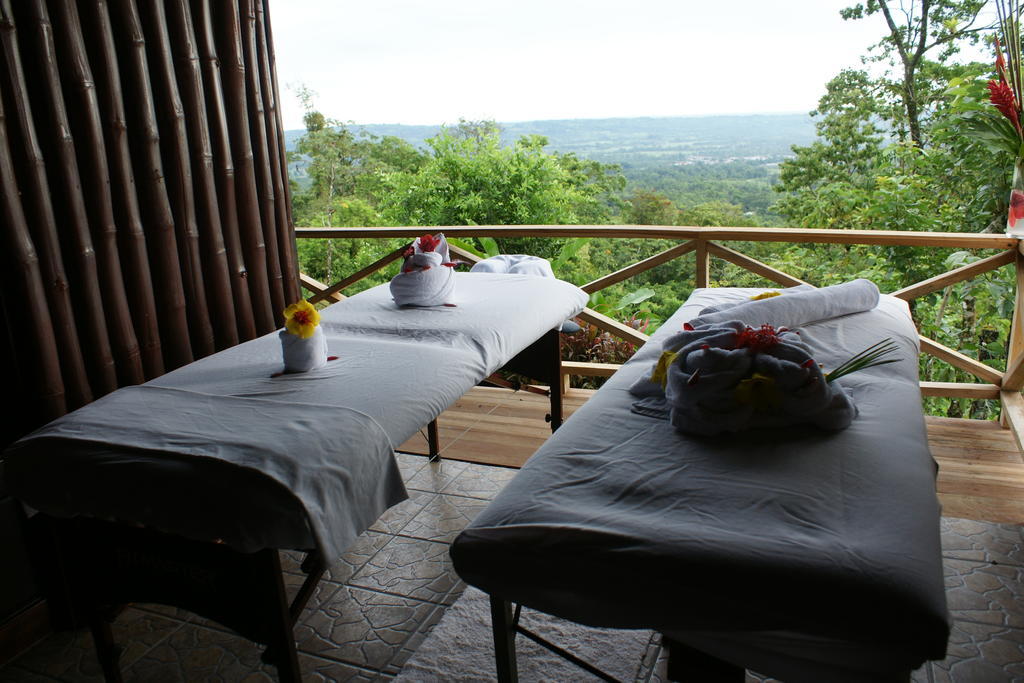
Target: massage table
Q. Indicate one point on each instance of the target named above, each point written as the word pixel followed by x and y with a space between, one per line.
pixel 799 553
pixel 181 491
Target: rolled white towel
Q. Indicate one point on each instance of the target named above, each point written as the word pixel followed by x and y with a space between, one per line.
pixel 426 278
pixel 303 355
pixel 799 308
pixel 522 264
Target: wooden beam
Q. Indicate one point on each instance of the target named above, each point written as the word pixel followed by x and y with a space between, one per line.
pixel 639 267
pixel 356 277
pixel 462 253
pixel 613 327
pixel 951 240
pixel 959 360
pixel 317 287
pixel 755 266
pixel 959 390
pixel 1015 350
pixel 701 267
pixel 1013 410
pixel 570 367
pixel 954 276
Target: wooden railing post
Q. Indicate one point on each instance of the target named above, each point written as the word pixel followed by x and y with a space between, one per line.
pixel 701 269
pixel 1012 414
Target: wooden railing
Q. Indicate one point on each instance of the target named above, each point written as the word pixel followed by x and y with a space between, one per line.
pixel 704 244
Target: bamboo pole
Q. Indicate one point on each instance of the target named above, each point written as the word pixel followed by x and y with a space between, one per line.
pixel 130 234
pixel 79 254
pixel 83 111
pixel 278 156
pixel 158 219
pixel 214 253
pixel 261 157
pixel 247 196
pixel 639 267
pixel 950 240
pixel 754 266
pixel 224 170
pixel 43 226
pixel 37 361
pixel 150 27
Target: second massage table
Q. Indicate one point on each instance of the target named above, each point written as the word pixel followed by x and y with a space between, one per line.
pixel 799 553
pixel 206 471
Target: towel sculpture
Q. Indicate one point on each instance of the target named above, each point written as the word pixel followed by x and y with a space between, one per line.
pixel 303 343
pixel 744 366
pixel 427 277
pixel 521 264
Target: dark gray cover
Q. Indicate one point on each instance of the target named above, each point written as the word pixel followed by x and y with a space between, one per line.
pixel 804 552
pixel 227 448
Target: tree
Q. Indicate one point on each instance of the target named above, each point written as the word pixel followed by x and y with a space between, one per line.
pixel 915 28
pixel 471 179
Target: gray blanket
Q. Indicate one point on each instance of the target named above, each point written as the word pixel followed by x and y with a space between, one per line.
pixel 801 553
pixel 227 448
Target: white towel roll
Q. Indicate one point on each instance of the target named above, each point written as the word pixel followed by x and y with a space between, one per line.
pixel 799 308
pixel 521 264
pixel 303 355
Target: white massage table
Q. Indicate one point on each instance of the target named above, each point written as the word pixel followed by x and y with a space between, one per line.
pixel 223 450
pixel 798 553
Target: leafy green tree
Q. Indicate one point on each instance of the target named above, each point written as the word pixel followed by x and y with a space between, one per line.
pixel 915 28
pixel 471 179
pixel 650 208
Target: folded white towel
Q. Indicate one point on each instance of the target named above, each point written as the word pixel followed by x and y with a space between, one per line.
pixel 303 355
pixel 426 278
pixel 800 307
pixel 522 264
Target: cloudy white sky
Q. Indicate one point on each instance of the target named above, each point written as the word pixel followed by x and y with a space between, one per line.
pixel 434 61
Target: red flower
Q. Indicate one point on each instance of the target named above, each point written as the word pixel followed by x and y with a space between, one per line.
pixel 429 242
pixel 761 339
pixel 1016 207
pixel 1002 97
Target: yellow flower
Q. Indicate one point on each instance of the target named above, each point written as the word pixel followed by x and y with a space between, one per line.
pixel 759 391
pixel 660 374
pixel 301 319
pixel 764 295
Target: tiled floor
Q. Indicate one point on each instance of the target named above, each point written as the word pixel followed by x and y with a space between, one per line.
pixel 377 604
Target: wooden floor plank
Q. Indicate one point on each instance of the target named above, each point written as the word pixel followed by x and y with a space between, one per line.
pixel 981 469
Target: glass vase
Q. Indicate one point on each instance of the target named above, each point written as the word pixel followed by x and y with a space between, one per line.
pixel 1015 213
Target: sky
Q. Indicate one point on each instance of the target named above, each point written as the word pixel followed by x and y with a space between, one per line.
pixel 436 61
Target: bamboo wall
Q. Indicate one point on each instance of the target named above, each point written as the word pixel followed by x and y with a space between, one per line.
pixel 143 189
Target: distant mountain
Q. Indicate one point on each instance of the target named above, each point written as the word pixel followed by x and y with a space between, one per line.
pixel 648 141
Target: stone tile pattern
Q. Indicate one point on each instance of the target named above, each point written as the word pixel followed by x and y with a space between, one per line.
pixel 379 602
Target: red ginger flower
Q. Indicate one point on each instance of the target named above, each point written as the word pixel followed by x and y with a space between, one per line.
pixel 429 242
pixel 761 339
pixel 1002 97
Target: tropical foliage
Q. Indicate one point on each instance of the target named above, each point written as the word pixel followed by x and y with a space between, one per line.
pixel 908 141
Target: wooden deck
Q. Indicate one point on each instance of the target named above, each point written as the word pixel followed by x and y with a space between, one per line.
pixel 981 471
